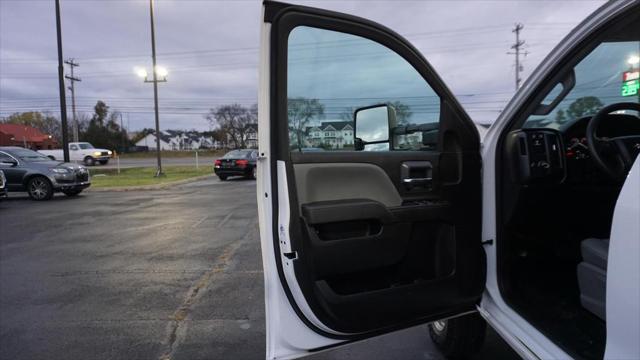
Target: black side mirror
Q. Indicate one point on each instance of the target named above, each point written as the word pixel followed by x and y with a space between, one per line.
pixel 358 144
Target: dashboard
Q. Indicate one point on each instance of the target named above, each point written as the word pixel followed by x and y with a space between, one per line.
pixel 546 156
pixel 580 167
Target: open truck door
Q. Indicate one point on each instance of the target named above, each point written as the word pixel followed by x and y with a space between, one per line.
pixel 369 188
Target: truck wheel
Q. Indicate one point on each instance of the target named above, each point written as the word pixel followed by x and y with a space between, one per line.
pixel 89 161
pixel 460 337
pixel 222 177
pixel 39 188
pixel 104 162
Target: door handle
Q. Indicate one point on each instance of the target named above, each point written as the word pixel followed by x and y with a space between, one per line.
pixel 417 181
pixel 416 175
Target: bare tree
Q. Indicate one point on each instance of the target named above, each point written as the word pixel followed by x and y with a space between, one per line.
pixel 403 112
pixel 300 112
pixel 232 120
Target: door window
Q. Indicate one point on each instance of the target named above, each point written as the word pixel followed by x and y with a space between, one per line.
pixel 333 74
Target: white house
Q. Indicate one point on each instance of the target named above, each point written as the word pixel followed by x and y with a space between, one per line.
pixel 179 140
pixel 333 134
pixel 150 142
pixel 251 136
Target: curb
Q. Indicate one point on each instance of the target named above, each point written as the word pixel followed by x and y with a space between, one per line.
pixel 150 187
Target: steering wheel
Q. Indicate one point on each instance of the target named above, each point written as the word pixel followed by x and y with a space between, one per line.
pixel 615 155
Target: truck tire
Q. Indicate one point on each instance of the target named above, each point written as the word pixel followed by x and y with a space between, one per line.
pixel 460 337
pixel 104 162
pixel 89 161
pixel 222 177
pixel 39 188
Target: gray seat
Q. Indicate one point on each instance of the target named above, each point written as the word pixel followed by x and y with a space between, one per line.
pixel 592 275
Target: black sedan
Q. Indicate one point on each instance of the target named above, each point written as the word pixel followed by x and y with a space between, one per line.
pixel 35 173
pixel 240 162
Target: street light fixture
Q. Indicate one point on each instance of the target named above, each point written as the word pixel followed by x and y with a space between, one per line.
pixel 161 74
pixel 140 72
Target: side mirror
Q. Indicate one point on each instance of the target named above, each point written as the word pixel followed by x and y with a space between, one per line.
pixel 373 125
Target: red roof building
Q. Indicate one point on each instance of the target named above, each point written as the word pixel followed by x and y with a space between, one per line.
pixel 25 136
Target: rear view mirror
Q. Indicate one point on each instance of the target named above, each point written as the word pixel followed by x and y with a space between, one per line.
pixel 373 124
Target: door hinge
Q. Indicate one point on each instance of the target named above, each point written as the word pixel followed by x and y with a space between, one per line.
pixel 487 242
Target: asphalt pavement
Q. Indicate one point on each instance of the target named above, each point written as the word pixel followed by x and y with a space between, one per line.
pixel 163 274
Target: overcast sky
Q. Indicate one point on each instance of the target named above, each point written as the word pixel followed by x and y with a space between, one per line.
pixel 211 50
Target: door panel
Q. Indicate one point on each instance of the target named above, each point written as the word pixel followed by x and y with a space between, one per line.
pixel 372 240
pixel 356 254
pixel 336 180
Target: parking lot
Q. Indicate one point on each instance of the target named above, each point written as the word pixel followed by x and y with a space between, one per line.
pixel 166 274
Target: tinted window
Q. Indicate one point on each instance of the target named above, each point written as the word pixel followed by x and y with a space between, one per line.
pixel 29 155
pixel 331 74
pixel 5 157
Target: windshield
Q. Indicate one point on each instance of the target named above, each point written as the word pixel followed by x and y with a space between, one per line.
pixel 85 146
pixel 237 154
pixel 608 75
pixel 29 155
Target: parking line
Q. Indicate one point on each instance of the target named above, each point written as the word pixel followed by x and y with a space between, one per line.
pixel 197 223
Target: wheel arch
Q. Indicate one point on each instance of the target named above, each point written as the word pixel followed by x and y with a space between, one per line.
pixel 28 177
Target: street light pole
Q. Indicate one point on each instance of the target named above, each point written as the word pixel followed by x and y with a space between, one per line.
pixel 63 99
pixel 155 91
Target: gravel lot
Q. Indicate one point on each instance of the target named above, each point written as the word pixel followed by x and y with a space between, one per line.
pixel 168 274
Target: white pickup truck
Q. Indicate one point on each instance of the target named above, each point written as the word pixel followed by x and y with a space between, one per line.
pixel 81 151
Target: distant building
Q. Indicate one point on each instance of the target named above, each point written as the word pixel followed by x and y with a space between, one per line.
pixel 330 134
pixel 179 140
pixel 251 136
pixel 150 142
pixel 25 136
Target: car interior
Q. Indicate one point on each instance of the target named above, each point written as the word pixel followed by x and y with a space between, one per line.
pixel 561 167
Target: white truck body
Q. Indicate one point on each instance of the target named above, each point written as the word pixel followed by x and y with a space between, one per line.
pixel 81 151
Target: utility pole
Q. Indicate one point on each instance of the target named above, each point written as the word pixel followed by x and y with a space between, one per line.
pixel 63 98
pixel 72 79
pixel 154 70
pixel 519 44
pixel 123 135
pixel 157 71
